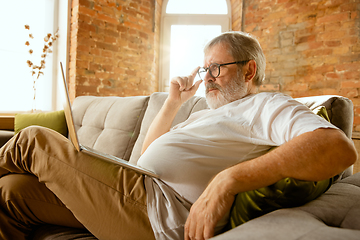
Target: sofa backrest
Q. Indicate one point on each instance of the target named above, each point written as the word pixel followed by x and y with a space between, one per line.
pixel 118 125
pixel 109 124
pixel 156 101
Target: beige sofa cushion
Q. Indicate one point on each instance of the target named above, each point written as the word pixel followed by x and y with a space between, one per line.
pixel 156 101
pixel 109 124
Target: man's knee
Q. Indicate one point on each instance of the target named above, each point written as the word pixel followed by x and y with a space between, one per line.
pixel 29 202
pixel 20 191
pixel 39 136
pixel 12 225
pixel 15 188
pixel 20 204
pixel 24 198
pixel 34 130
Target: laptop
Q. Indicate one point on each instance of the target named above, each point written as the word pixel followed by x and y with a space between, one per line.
pixel 75 140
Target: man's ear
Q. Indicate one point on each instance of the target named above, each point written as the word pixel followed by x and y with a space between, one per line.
pixel 250 70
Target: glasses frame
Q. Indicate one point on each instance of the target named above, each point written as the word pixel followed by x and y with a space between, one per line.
pixel 218 66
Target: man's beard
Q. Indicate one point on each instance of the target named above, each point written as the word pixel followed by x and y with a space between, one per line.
pixel 234 90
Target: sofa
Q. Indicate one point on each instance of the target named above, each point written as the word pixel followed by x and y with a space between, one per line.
pixel 117 125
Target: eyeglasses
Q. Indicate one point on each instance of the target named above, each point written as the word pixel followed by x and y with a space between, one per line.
pixel 214 69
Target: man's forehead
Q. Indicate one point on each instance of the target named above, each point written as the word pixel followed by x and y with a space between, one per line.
pixel 217 54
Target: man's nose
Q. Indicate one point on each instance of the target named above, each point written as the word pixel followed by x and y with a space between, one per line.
pixel 208 77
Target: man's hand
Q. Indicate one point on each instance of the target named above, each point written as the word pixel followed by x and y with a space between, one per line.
pixel 183 88
pixel 209 209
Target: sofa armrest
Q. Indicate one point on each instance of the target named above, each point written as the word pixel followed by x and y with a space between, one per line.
pixel 339 109
pixel 340 112
pixel 5 135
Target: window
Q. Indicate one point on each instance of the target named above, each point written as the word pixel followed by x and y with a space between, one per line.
pixel 197 7
pixel 43 16
pixel 187 25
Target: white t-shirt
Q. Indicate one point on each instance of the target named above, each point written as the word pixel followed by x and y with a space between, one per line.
pixel 193 152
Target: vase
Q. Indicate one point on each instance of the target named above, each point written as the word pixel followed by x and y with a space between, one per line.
pixel 33 109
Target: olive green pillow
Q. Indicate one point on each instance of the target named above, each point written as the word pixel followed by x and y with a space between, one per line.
pixel 286 193
pixel 53 120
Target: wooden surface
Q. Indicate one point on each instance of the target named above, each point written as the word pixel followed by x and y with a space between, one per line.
pixel 6 122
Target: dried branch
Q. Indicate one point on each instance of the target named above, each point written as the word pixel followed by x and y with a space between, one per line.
pixel 49 39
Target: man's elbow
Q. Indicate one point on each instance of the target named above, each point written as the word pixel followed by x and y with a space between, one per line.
pixel 347 154
pixel 352 155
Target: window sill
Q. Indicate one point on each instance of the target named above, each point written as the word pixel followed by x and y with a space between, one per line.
pixel 7 122
pixel 356 135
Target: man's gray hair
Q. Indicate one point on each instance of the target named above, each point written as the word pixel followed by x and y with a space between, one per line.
pixel 242 46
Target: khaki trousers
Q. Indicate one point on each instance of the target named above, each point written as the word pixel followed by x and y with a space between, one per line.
pixel 43 179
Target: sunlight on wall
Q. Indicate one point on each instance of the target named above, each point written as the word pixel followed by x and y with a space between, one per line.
pixel 197 7
pixel 186 52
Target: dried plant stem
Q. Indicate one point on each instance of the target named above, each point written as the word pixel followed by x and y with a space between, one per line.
pixel 34 98
pixel 37 70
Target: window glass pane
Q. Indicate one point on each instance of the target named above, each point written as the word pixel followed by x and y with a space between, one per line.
pixel 16 89
pixel 197 7
pixel 186 52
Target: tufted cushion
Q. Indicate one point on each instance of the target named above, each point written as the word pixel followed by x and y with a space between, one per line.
pixel 342 200
pixel 156 101
pixel 109 124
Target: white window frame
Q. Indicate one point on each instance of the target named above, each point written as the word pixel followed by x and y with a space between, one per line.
pixel 167 20
pixel 61 21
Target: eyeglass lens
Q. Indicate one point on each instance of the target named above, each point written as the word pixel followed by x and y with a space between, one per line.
pixel 214 69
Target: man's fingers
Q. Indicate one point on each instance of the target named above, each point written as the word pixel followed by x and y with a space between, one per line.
pixel 194 72
pixel 187 82
pixel 181 81
pixel 189 229
pixel 195 87
pixel 197 84
pixel 191 77
pixel 198 229
pixel 199 234
pixel 208 231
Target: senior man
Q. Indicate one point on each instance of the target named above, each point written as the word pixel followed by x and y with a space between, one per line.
pixel 203 162
pixel 213 145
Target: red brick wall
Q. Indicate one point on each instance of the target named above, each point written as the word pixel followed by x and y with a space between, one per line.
pixel 312 47
pixel 114 47
pixel 236 14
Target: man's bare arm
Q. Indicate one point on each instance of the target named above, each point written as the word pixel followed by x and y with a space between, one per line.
pixel 161 123
pixel 312 156
pixel 181 90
